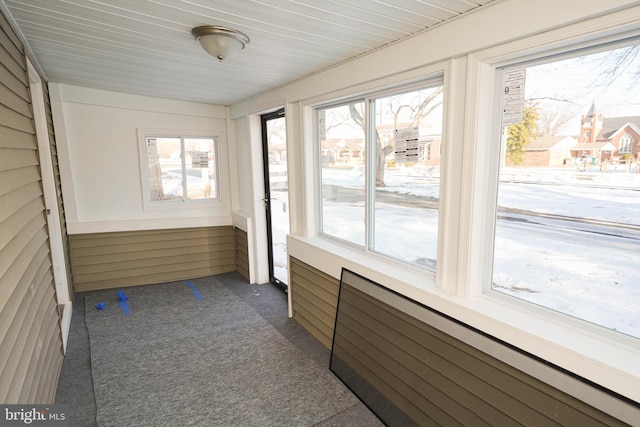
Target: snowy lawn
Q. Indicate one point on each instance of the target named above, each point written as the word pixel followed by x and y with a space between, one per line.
pixel 582 271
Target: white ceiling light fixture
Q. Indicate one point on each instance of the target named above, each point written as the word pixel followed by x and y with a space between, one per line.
pixel 220 42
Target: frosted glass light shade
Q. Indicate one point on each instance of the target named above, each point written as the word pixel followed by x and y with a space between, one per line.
pixel 220 42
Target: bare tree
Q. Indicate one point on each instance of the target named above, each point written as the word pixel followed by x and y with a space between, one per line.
pixel 335 120
pixel 427 106
pixel 381 152
pixel 276 130
pixel 418 112
pixel 616 63
pixel 551 120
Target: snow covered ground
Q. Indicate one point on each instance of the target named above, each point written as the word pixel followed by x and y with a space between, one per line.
pixel 588 271
pixel 579 268
pixel 584 269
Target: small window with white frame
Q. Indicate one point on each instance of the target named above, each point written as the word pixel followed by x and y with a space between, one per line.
pixel 179 169
pixel 567 226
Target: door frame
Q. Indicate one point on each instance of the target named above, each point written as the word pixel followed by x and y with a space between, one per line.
pixel 264 118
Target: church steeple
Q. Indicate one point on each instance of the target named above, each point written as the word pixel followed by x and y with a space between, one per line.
pixel 591 113
pixel 589 123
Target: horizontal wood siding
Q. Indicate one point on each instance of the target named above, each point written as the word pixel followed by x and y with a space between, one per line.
pixel 439 380
pixel 314 296
pixel 58 183
pixel 242 253
pixel 30 336
pixel 128 258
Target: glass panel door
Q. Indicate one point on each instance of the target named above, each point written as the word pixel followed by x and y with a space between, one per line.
pixel 276 200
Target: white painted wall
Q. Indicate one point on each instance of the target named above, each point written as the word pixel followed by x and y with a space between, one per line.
pixel 243 166
pixel 97 135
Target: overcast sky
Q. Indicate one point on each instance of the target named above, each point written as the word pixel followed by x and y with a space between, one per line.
pixel 576 81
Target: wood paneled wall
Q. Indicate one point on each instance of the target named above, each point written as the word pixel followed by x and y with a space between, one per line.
pixel 129 258
pixel 439 380
pixel 30 336
pixel 314 296
pixel 433 377
pixel 242 253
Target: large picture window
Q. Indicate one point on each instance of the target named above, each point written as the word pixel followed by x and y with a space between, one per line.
pixel 380 173
pixel 181 169
pixel 567 234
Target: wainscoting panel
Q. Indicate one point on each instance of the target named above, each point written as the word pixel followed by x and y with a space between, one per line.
pixel 314 296
pixel 129 258
pixel 405 360
pixel 242 253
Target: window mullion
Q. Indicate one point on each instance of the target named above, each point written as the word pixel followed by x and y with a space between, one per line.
pixel 370 174
pixel 184 169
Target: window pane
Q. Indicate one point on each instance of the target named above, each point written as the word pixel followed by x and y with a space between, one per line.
pixel 278 195
pixel 165 169
pixel 568 224
pixel 200 168
pixel 408 141
pixel 342 143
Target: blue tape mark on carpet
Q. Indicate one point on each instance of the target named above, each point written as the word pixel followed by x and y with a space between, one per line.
pixel 195 290
pixel 125 308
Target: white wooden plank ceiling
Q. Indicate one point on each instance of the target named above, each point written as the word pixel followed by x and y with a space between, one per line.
pixel 145 46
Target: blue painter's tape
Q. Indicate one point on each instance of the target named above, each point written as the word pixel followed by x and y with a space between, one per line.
pixel 195 291
pixel 125 308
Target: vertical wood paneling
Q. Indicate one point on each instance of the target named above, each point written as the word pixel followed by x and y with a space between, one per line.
pixel 436 379
pixel 30 336
pixel 129 258
pixel 314 296
pixel 242 253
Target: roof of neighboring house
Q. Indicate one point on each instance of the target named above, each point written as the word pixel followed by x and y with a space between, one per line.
pixel 544 143
pixel 353 144
pixel 612 124
pixel 593 146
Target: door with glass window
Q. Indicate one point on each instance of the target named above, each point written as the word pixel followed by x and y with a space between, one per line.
pixel 276 195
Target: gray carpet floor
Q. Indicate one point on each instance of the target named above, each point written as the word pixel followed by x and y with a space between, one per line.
pixel 222 352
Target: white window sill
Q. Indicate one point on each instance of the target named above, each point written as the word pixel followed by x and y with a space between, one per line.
pixel 180 205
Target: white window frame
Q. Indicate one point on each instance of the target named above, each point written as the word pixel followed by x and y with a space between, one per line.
pixel 593 352
pixel 318 155
pixel 148 204
pixel 468 204
pixel 435 79
pixel 493 174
